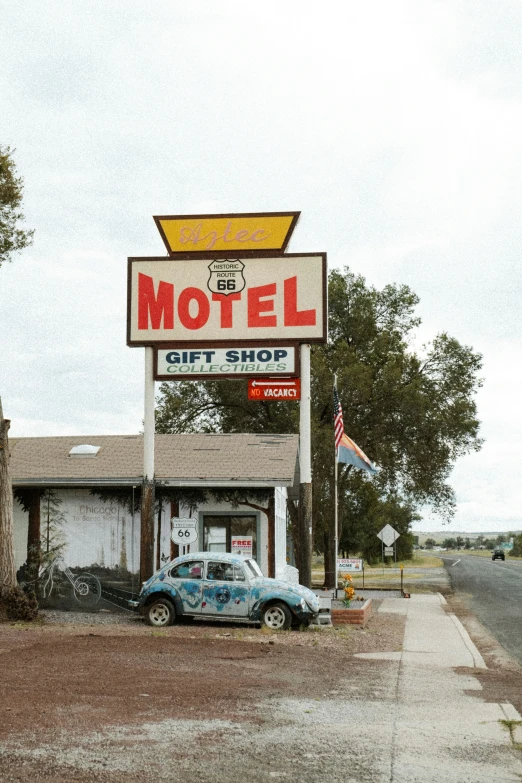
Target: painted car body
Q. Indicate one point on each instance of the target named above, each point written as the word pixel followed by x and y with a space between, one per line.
pixel 222 585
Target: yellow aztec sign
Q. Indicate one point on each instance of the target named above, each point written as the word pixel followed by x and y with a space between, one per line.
pixel 223 233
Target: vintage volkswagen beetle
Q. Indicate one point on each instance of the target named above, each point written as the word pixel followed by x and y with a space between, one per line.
pixel 218 585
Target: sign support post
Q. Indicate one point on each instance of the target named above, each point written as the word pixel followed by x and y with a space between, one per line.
pixel 147 491
pixel 228 301
pixel 305 465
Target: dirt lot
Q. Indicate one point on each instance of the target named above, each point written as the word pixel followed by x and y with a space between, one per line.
pixel 124 702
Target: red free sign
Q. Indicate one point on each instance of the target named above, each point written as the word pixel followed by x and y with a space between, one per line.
pixel 289 389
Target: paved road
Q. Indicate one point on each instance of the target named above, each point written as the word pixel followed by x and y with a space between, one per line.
pixel 495 595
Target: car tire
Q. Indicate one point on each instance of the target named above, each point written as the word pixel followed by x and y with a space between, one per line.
pixel 160 613
pixel 277 617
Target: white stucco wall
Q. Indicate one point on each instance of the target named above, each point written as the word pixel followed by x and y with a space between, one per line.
pixel 92 531
pixel 95 531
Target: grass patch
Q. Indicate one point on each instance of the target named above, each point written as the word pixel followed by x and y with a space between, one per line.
pixel 511 725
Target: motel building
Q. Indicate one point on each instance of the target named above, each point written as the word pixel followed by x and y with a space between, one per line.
pixel 79 499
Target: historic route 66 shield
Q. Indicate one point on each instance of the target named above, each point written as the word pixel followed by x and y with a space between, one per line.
pixel 226 277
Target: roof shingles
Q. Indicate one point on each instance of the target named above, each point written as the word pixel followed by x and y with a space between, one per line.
pixel 192 457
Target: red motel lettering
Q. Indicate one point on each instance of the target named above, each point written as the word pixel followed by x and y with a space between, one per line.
pixel 157 308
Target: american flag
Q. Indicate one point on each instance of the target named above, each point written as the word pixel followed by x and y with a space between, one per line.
pixel 338 418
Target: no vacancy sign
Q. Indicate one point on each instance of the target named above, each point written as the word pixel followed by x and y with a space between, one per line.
pixel 272 300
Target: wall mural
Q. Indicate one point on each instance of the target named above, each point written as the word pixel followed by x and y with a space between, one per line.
pixel 89 552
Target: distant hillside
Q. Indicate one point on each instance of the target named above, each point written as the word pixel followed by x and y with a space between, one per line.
pixel 440 535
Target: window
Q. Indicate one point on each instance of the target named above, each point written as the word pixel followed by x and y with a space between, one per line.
pixel 224 572
pixel 253 566
pixel 219 531
pixel 191 569
pixel 84 450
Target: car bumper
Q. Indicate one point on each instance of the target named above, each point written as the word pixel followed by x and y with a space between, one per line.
pixel 133 604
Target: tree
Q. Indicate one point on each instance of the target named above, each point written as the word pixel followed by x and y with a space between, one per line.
pixel 517 546
pixel 430 543
pixel 7 565
pixel 12 239
pixel 412 412
pixel 449 543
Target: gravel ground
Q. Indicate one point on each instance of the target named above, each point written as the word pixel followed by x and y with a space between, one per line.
pixel 102 696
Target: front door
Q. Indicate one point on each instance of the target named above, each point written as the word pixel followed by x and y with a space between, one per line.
pixel 226 592
pixel 187 578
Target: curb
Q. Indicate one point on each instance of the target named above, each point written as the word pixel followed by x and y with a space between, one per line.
pixel 478 660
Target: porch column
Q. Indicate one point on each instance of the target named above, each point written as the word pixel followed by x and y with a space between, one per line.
pixel 34 552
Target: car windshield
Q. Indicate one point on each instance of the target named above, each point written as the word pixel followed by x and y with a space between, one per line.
pixel 253 567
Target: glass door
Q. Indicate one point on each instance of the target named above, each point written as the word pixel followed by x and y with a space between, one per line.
pixel 230 533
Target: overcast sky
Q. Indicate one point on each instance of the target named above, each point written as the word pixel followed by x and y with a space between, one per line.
pixel 394 127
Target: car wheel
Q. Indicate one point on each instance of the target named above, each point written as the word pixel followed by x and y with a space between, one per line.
pixel 277 617
pixel 160 613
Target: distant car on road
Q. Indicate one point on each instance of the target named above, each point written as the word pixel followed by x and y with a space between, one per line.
pixel 211 585
pixel 498 554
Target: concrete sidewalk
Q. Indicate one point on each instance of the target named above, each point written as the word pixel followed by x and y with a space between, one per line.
pixel 442 729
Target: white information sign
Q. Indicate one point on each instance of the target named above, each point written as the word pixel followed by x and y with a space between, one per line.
pixel 255 299
pixel 235 361
pixel 388 551
pixel 242 546
pixel 345 564
pixel 388 535
pixel 184 531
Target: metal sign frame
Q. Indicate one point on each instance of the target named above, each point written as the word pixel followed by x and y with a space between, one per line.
pixel 225 344
pixel 238 249
pixel 253 341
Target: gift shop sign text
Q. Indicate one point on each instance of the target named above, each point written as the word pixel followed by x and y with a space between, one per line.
pixel 180 301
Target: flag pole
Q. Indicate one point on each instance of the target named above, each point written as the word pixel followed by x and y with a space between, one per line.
pixel 336 512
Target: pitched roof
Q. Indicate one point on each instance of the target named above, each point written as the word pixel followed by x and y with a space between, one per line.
pixel 189 460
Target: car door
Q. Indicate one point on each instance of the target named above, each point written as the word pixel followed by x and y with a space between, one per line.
pixel 187 579
pixel 226 590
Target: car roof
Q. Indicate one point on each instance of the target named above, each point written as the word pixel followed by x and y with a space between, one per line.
pixel 223 557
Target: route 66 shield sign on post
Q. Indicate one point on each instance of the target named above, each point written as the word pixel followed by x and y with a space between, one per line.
pixel 184 531
pixel 226 277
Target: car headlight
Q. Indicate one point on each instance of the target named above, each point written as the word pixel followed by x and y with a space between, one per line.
pixel 303 604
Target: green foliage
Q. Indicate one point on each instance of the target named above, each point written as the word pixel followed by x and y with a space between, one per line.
pixel 430 543
pixel 412 412
pixel 12 237
pixel 17 605
pixel 517 546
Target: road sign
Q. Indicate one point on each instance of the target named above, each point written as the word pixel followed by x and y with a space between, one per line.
pixel 345 564
pixel 184 531
pixel 388 535
pixel 235 360
pixel 275 389
pixel 276 300
pixel 388 551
